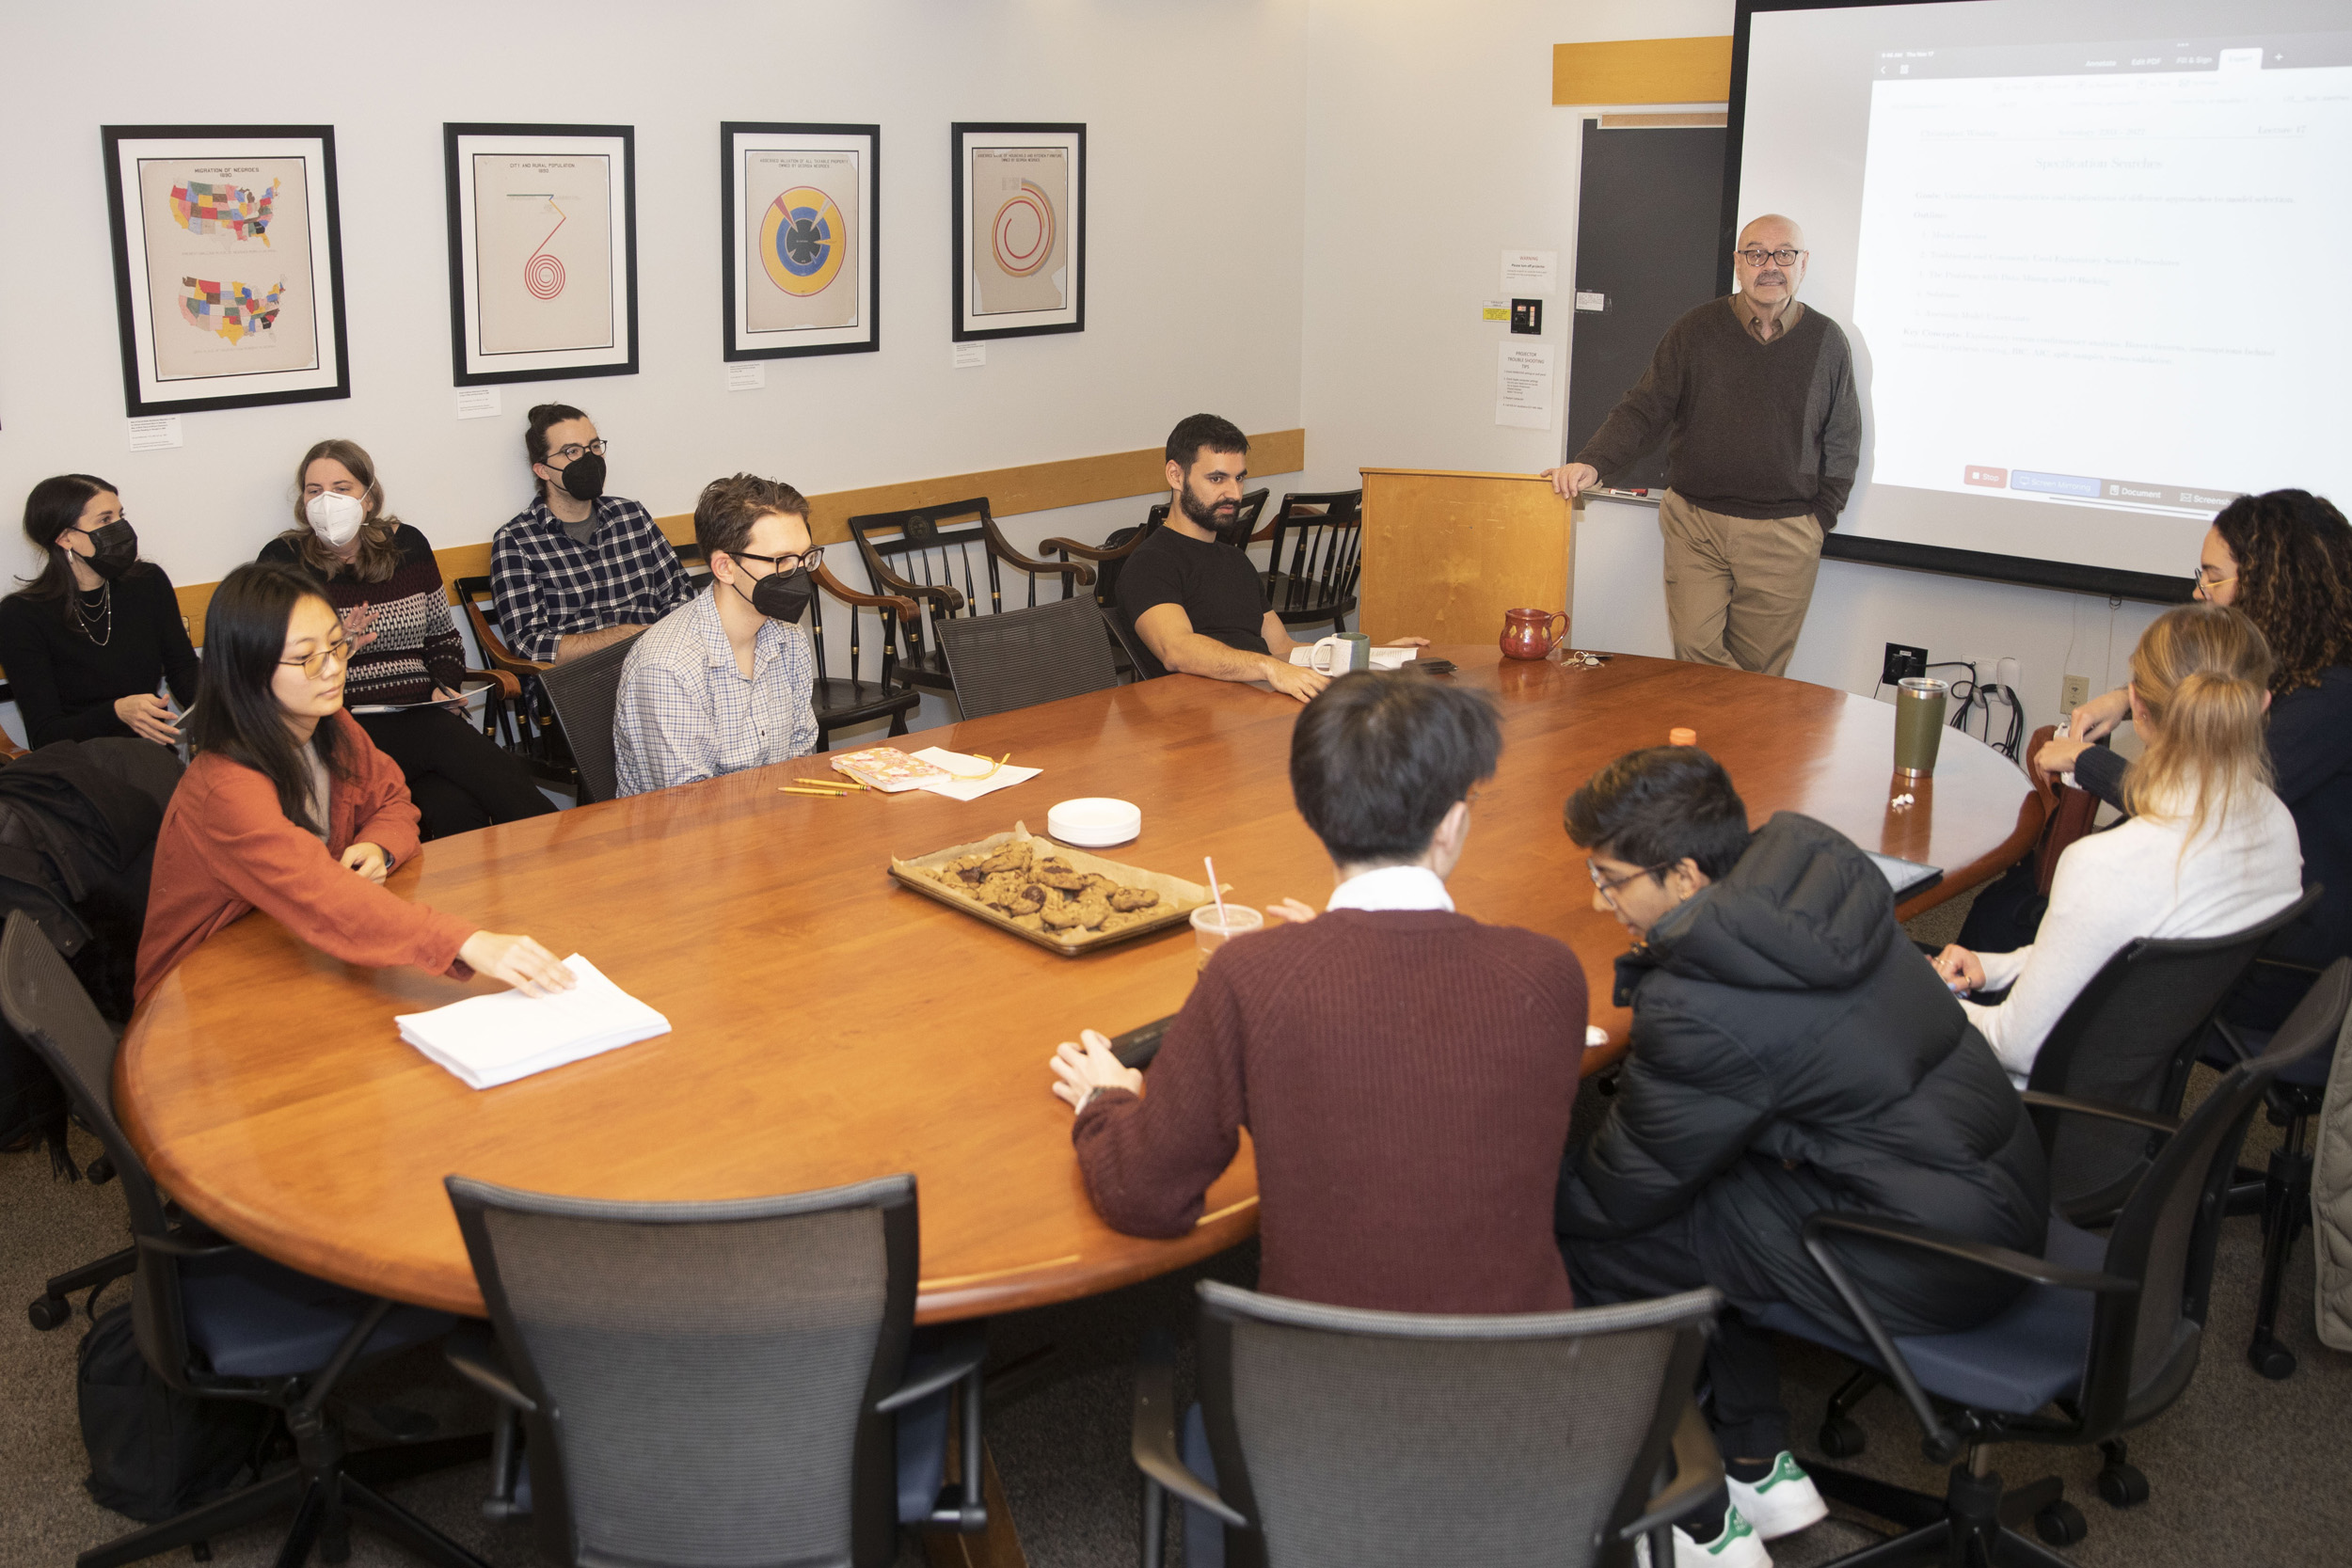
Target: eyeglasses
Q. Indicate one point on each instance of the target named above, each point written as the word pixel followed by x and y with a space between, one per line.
pixel 1606 886
pixel 2202 586
pixel 574 452
pixel 1785 257
pixel 784 563
pixel 314 664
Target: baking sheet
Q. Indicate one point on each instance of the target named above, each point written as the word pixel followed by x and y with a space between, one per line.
pixel 1178 897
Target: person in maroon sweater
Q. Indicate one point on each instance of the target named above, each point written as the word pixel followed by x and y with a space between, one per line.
pixel 1405 1071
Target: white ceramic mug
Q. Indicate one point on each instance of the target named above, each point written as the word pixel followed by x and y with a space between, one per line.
pixel 1339 653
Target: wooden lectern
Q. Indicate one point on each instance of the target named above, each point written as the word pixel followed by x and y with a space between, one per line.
pixel 1445 554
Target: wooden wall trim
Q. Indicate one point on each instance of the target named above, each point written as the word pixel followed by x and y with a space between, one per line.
pixel 1029 487
pixel 1643 71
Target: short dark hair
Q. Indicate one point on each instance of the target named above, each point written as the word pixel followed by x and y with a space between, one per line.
pixel 727 508
pixel 543 417
pixel 1659 806
pixel 1380 757
pixel 1196 431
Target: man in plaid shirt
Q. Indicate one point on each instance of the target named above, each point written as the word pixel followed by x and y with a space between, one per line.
pixel 578 570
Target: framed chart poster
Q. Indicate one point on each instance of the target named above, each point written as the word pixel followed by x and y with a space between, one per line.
pixel 542 252
pixel 798 238
pixel 1020 197
pixel 229 279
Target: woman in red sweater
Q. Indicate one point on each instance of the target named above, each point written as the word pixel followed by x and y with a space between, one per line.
pixel 289 809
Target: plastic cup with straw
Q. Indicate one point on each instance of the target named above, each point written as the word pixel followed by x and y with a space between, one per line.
pixel 1213 925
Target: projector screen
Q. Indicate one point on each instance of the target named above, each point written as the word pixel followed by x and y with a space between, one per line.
pixel 2090 254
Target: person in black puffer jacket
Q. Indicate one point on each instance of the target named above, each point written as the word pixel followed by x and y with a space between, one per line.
pixel 1791 1051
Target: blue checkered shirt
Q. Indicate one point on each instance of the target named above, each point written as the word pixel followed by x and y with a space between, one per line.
pixel 685 712
pixel 546 586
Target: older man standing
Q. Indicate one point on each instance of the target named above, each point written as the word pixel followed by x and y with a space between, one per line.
pixel 1756 395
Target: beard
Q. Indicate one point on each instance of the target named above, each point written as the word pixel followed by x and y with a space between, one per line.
pixel 1222 518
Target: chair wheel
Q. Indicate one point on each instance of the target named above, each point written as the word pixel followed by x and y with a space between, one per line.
pixel 2061 1524
pixel 1842 1438
pixel 2272 1359
pixel 49 1312
pixel 2123 1486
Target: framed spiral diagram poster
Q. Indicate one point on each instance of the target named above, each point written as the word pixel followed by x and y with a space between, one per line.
pixel 798 235
pixel 228 279
pixel 542 252
pixel 1019 221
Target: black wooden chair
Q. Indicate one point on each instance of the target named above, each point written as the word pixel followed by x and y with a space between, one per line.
pixel 520 725
pixel 1317 539
pixel 947 559
pixel 840 702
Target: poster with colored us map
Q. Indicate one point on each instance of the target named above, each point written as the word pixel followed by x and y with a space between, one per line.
pixel 543 252
pixel 799 229
pixel 228 266
pixel 1020 241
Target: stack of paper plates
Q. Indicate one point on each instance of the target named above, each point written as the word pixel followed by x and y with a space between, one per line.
pixel 1094 821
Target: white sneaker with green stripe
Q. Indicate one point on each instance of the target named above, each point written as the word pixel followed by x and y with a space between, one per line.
pixel 1783 1504
pixel 1736 1547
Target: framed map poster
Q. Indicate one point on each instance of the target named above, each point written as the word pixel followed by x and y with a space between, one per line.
pixel 1019 219
pixel 228 277
pixel 542 252
pixel 797 237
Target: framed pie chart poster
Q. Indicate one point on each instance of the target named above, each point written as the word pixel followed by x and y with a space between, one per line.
pixel 799 237
pixel 1020 228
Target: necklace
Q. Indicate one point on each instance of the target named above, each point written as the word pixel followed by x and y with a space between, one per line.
pixel 103 609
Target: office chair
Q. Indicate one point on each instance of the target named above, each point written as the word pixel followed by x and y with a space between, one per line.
pixel 2107 1330
pixel 2129 1040
pixel 217 1321
pixel 585 692
pixel 1024 656
pixel 715 1384
pixel 925 552
pixel 1138 657
pixel 1358 1439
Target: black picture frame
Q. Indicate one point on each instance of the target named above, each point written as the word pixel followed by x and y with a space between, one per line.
pixel 156 377
pixel 740 338
pixel 969 316
pixel 488 342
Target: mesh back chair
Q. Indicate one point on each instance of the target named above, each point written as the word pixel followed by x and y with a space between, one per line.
pixel 1025 656
pixel 1132 653
pixel 214 1321
pixel 583 693
pixel 2129 1039
pixel 714 1383
pixel 1312 570
pixel 1355 1439
pixel 2106 1332
pixel 947 559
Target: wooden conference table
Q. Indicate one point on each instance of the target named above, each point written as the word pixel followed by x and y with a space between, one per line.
pixel 829 1025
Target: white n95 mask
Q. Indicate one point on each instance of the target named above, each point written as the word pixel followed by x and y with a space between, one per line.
pixel 335 517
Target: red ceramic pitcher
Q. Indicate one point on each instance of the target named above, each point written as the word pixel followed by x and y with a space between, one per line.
pixel 1528 634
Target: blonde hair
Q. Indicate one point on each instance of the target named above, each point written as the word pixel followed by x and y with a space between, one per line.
pixel 2200 673
pixel 376 559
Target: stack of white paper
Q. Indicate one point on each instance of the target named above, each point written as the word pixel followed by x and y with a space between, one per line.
pixel 1382 658
pixel 489 1040
pixel 974 776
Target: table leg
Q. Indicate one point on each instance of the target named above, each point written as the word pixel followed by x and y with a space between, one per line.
pixel 997 1546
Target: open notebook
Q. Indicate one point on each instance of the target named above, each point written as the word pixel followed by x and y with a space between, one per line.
pixel 489 1040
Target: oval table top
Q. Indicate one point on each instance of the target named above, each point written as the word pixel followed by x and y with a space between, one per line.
pixel 829 1025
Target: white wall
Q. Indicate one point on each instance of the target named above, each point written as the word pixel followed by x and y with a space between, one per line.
pixel 1432 144
pixel 1194 151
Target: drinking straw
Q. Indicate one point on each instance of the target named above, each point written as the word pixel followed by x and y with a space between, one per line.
pixel 1210 862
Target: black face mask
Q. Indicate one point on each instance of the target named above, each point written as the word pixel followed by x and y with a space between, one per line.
pixel 783 596
pixel 113 549
pixel 584 479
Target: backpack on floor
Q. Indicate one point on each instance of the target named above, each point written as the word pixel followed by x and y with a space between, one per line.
pixel 156 1452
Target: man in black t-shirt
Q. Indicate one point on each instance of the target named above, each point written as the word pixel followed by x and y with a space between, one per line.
pixel 1193 597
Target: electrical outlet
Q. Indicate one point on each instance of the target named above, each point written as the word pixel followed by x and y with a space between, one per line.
pixel 2074 693
pixel 1901 659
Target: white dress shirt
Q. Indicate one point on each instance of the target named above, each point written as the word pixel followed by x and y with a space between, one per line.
pixel 1392 887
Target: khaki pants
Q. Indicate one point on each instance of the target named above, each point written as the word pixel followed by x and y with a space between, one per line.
pixel 1736 588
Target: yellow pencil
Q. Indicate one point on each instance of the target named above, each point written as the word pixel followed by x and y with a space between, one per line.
pixel 832 783
pixel 818 794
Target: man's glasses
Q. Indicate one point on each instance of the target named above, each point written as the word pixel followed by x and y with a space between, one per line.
pixel 337 653
pixel 1606 886
pixel 786 563
pixel 1785 257
pixel 574 452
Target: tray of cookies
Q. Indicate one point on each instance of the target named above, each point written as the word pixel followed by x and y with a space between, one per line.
pixel 1065 900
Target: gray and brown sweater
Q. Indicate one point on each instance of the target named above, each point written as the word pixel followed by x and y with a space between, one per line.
pixel 1757 430
pixel 416 646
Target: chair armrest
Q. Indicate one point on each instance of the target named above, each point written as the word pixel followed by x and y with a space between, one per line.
pixel 965 1347
pixel 474 1354
pixel 1999 1259
pixel 1698 1477
pixel 504 681
pixel 1082 576
pixel 178 1247
pixel 1154 1443
pixel 494 648
pixel 2035 1099
pixel 907 608
pixel 945 600
pixel 9 750
pixel 1091 552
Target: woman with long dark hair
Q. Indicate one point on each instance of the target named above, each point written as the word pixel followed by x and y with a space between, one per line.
pixel 289 807
pixel 93 637
pixel 380 575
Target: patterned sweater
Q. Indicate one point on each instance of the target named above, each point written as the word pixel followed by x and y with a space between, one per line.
pixel 415 646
